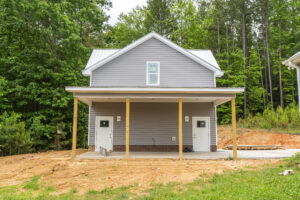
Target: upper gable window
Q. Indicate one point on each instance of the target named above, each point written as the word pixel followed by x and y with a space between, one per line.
pixel 153 73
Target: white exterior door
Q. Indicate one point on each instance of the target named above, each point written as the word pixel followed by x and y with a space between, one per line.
pixel 201 133
pixel 104 133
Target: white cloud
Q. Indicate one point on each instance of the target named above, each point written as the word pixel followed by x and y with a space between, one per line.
pixel 125 6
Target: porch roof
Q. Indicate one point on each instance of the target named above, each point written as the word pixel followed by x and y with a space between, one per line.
pixel 153 90
pixel 150 94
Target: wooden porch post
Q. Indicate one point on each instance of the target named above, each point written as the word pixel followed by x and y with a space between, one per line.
pixel 180 127
pixel 74 138
pixel 234 148
pixel 127 126
pixel 298 80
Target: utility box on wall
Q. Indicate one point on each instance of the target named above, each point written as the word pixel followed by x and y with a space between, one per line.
pixel 173 138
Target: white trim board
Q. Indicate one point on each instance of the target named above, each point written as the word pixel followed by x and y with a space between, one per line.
pixel 152 90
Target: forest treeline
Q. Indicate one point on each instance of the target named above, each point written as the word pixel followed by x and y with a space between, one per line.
pixel 46 43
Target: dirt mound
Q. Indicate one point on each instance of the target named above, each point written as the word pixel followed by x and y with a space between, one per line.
pixel 258 137
pixel 57 169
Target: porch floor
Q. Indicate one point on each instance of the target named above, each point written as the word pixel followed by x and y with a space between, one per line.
pixel 219 155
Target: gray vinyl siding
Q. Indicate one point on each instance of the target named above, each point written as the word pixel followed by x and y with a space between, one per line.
pixel 176 70
pixel 152 123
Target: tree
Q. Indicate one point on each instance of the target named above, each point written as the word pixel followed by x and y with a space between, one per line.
pixel 159 17
pixel 13 137
pixel 190 32
pixel 129 28
pixel 43 49
pixel 256 92
pixel 233 77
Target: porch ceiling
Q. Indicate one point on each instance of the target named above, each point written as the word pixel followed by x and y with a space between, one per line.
pixel 217 96
pixel 215 100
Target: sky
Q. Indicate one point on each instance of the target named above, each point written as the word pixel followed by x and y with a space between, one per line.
pixel 125 6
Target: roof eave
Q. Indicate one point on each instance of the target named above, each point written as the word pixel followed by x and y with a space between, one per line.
pixel 291 61
pixel 152 90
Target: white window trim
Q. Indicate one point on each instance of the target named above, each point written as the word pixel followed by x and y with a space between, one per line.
pixel 158 73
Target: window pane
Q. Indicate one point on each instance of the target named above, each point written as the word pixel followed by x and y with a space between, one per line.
pixel 152 79
pixel 104 123
pixel 152 68
pixel 200 124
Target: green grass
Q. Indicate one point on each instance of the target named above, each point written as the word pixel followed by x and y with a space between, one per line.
pixel 242 184
pixel 32 184
pixel 264 184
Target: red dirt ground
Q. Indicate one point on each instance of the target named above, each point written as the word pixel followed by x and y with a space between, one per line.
pixel 258 137
pixel 55 168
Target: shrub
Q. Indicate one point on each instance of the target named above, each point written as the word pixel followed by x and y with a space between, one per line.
pixel 287 119
pixel 14 139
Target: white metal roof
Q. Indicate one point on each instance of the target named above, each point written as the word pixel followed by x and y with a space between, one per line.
pixel 107 56
pixel 100 54
pixel 206 55
pixel 293 61
pixel 152 90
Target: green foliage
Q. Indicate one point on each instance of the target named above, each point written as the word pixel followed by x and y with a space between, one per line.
pixel 233 77
pixel 3 91
pixel 188 27
pixel 44 47
pixel 14 139
pixel 294 161
pixel 254 184
pixel 159 17
pixel 33 184
pixel 287 119
pixel 129 28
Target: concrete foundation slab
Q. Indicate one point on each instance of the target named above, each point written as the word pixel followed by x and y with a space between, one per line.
pixel 219 155
pixel 265 154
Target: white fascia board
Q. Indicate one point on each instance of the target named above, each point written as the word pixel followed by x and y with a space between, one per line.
pixel 154 90
pixel 293 61
pixel 86 72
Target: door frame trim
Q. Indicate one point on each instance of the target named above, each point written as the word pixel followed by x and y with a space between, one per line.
pixel 112 129
pixel 209 139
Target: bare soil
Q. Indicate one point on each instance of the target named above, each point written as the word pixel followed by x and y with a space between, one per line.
pixel 55 168
pixel 257 137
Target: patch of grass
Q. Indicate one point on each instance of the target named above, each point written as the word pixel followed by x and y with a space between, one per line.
pixel 93 192
pixel 73 190
pixel 109 193
pixel 32 184
pixel 49 189
pixel 254 184
pixel 294 161
pixel 114 168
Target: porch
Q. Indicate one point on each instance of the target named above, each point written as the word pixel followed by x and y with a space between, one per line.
pixel 219 155
pixel 128 97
